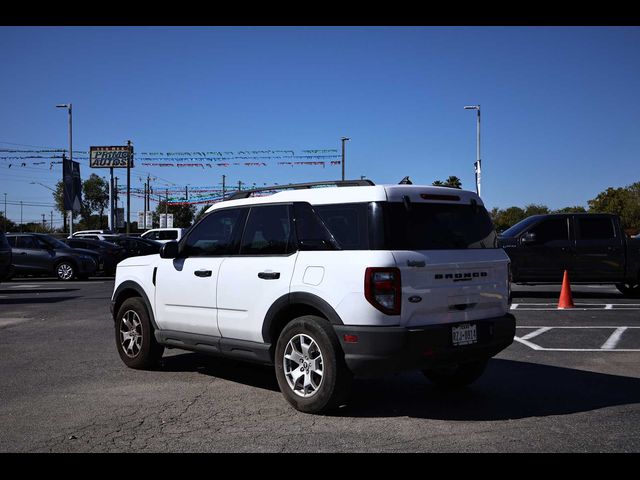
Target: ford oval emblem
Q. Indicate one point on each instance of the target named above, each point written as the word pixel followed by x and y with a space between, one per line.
pixel 415 299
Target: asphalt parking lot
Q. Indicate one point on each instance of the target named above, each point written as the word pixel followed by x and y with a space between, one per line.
pixel 569 383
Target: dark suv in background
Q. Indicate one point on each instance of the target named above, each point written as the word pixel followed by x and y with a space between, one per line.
pixel 38 253
pixel 110 253
pixel 5 257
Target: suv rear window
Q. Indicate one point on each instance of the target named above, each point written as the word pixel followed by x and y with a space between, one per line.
pixel 437 226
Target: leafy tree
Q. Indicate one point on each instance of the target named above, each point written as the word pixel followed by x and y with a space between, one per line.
pixel 624 202
pixel 533 209
pixel 503 219
pixel 8 226
pixel 95 198
pixel 574 209
pixel 453 182
pixel 183 215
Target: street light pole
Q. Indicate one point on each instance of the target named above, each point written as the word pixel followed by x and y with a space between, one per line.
pixel 68 106
pixel 478 162
pixel 5 212
pixel 343 139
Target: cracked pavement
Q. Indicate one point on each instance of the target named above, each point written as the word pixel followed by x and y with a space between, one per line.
pixel 63 388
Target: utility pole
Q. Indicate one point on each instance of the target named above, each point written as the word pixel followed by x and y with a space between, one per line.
pixel 68 106
pixel 115 203
pixel 478 162
pixel 110 222
pixel 239 185
pixel 144 217
pixel 5 212
pixel 44 223
pixel 224 178
pixel 129 186
pixel 20 216
pixel 166 207
pixel 186 193
pixel 51 223
pixel 344 139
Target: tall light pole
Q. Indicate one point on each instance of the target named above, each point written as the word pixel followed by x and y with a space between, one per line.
pixel 68 107
pixel 478 161
pixel 343 139
pixel 5 212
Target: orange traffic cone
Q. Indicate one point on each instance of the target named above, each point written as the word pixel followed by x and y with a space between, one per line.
pixel 566 300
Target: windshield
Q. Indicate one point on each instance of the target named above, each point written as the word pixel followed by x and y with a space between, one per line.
pixel 519 227
pixel 52 242
pixel 437 226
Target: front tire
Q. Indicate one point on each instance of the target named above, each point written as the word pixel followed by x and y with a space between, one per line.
pixel 310 366
pixel 135 341
pixel 629 289
pixel 65 271
pixel 456 376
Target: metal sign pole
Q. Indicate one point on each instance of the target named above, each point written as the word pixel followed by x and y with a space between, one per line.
pixel 129 187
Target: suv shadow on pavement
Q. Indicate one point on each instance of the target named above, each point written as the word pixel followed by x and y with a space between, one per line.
pixel 235 371
pixel 508 390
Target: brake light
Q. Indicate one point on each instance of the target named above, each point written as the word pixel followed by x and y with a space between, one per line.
pixel 383 289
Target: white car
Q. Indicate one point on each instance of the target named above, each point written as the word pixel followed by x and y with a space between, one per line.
pixel 326 284
pixel 164 235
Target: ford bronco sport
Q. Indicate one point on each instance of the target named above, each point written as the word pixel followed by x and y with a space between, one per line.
pixel 326 284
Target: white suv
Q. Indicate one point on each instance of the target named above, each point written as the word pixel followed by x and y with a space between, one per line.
pixel 326 284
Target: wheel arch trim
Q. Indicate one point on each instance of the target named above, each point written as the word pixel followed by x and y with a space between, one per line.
pixel 119 297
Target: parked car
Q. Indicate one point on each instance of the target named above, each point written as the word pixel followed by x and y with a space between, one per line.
pixel 591 247
pixel 5 257
pixel 164 235
pixel 89 232
pixel 38 253
pixel 105 237
pixel 110 253
pixel 326 284
pixel 136 246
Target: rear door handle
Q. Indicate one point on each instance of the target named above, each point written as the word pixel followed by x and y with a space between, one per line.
pixel 269 275
pixel 202 273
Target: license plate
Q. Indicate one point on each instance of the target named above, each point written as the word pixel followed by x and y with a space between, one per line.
pixel 464 334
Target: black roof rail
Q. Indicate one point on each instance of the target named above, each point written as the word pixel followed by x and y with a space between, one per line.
pixel 298 186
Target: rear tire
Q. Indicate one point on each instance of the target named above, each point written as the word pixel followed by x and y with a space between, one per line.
pixel 457 376
pixel 135 341
pixel 629 289
pixel 310 366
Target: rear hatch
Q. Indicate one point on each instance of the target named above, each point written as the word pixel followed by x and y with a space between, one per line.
pixel 445 247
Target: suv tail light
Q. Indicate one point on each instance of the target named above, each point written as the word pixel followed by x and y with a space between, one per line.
pixel 383 289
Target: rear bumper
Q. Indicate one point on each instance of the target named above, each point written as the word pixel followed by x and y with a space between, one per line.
pixel 381 350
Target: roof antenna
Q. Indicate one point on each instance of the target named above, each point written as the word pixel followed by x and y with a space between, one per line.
pixel 405 181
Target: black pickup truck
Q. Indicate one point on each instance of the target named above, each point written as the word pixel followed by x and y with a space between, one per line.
pixel 593 248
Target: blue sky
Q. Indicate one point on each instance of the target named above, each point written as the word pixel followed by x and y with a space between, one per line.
pixel 560 105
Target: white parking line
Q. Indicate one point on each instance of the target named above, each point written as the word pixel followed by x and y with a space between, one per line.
pixel 542 307
pixel 608 346
pixel 535 333
pixel 613 340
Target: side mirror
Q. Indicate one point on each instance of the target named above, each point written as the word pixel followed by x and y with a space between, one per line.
pixel 169 250
pixel 529 238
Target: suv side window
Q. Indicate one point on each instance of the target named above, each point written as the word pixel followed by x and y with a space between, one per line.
pixel 12 241
pixel 550 231
pixel 28 243
pixel 215 234
pixel 268 231
pixel 347 223
pixel 595 228
pixel 152 236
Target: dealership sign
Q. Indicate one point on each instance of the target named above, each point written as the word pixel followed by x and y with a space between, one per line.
pixel 110 157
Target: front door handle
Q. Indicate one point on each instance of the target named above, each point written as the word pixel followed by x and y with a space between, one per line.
pixel 202 273
pixel 269 275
